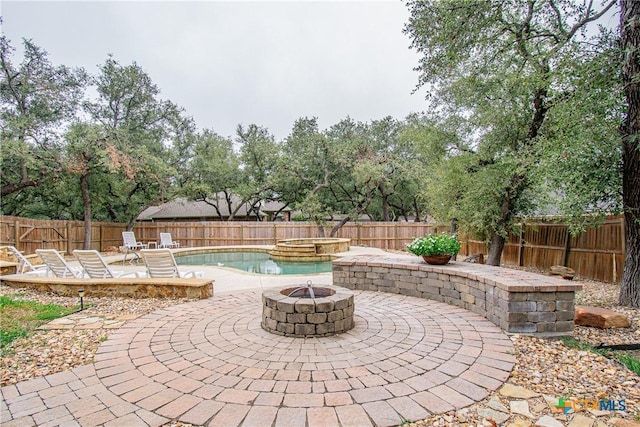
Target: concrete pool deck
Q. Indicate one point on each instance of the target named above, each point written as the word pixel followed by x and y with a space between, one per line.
pixel 208 362
pixel 232 280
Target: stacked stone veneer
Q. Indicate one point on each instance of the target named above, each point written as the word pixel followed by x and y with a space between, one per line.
pixel 307 317
pixel 130 287
pixel 516 301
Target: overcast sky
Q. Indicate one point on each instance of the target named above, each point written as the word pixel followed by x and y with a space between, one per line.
pixel 230 63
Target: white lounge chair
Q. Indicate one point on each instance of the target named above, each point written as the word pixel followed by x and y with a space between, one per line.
pixel 161 263
pixel 167 242
pixel 24 266
pixel 130 242
pixel 96 267
pixel 57 265
pixel 132 245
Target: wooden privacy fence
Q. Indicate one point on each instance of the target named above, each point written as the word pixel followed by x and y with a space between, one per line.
pixel 28 234
pixel 384 235
pixel 596 254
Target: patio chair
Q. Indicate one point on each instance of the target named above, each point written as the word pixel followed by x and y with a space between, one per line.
pixel 167 242
pixel 57 265
pixel 24 266
pixel 96 267
pixel 161 263
pixel 131 243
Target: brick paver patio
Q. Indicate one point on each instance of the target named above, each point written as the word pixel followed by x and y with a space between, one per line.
pixel 210 363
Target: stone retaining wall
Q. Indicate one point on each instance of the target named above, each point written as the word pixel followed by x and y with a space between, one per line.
pixel 122 287
pixel 517 301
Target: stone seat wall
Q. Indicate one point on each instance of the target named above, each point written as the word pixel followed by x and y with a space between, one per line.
pixel 516 301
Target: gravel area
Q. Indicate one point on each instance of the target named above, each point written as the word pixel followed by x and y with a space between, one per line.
pixel 544 367
pixel 51 351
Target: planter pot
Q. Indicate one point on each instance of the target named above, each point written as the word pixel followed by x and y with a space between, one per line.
pixel 436 259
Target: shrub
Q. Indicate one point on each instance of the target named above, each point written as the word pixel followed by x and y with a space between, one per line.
pixel 435 244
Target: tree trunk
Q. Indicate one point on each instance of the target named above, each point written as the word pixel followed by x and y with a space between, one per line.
pixel 385 202
pixel 338 226
pixel 630 131
pixel 453 228
pixel 86 201
pixel 630 286
pixel 495 250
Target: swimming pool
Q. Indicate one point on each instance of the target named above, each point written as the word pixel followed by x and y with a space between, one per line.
pixel 254 262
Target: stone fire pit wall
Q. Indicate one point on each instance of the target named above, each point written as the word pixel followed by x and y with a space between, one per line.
pixel 307 317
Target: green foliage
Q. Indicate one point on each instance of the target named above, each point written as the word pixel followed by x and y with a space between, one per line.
pixel 435 244
pixel 258 157
pixel 144 136
pixel 19 318
pixel 37 100
pixel 213 169
pixel 517 78
pixel 110 161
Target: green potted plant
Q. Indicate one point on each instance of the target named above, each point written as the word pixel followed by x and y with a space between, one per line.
pixel 435 248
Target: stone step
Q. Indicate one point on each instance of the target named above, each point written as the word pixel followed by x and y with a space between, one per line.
pixel 296 248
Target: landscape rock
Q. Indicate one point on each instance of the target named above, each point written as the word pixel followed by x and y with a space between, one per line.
pixel 548 421
pixel 494 403
pixel 477 258
pixel 562 271
pixel 517 392
pixel 520 422
pixel 580 420
pixel 600 318
pixel 624 423
pixel 521 407
pixel 490 414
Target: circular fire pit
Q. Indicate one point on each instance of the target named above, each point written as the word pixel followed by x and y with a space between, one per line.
pixel 307 311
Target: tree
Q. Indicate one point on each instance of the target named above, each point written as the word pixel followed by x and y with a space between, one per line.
pixel 501 66
pixel 315 173
pixel 359 168
pixel 258 158
pixel 304 170
pixel 423 144
pixel 630 130
pixel 213 171
pixel 87 155
pixel 37 101
pixel 151 137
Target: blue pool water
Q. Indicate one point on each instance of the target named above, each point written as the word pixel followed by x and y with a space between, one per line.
pixel 254 262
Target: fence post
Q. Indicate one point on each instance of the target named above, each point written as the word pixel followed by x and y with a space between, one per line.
pixel 70 238
pixel 521 245
pixel 395 235
pixel 16 235
pixel 623 243
pixel 567 249
pixel 623 235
